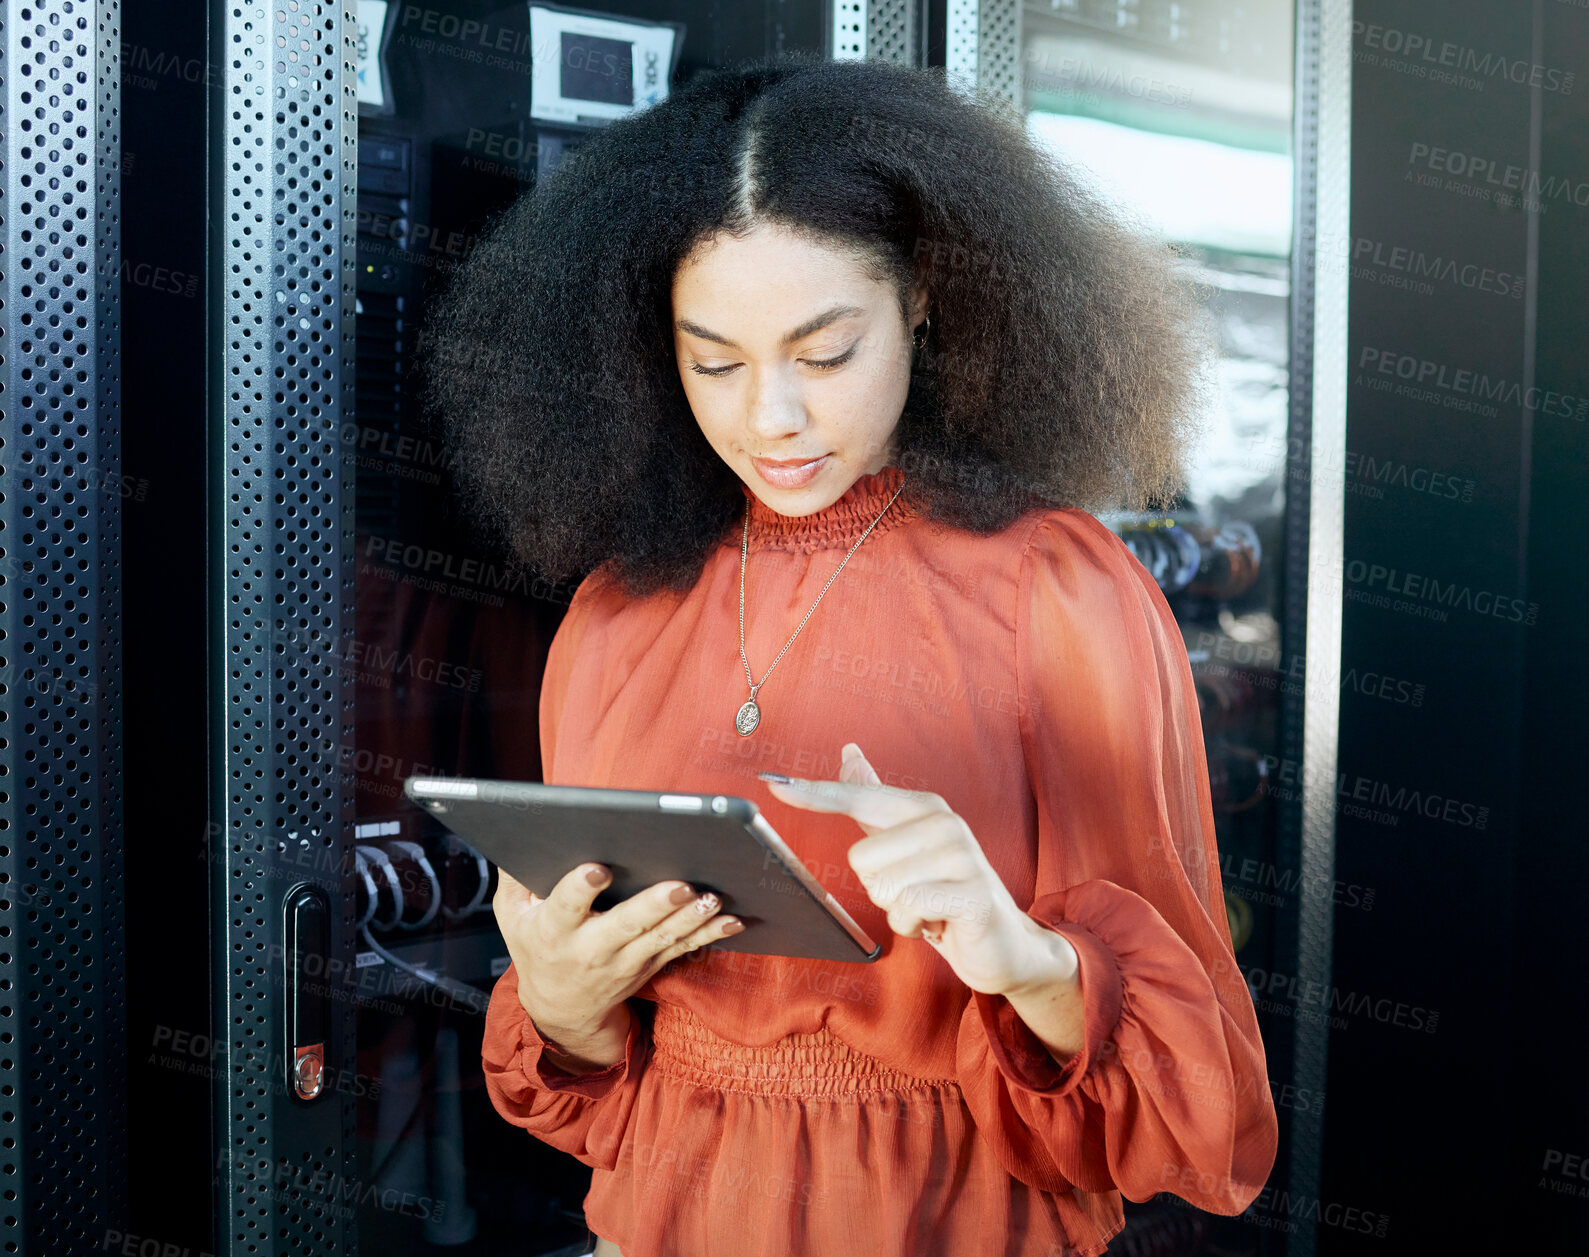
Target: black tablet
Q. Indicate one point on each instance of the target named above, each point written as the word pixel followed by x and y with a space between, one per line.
pixel 717 842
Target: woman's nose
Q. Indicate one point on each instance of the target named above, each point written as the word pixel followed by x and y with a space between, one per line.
pixel 775 411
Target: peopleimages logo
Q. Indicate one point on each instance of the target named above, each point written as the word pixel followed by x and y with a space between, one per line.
pixel 1432 594
pixel 1446 55
pixel 1305 993
pixel 450 26
pixel 1425 374
pixel 1043 72
pixel 1416 264
pixel 1532 184
pixel 1434 806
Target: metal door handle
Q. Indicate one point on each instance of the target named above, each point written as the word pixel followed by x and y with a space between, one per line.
pixel 306 938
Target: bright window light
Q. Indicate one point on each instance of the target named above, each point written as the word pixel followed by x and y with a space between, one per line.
pixel 1189 190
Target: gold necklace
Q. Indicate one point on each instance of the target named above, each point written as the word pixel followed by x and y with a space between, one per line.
pixel 749 714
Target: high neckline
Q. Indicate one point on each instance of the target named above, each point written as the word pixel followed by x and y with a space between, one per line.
pixel 836 526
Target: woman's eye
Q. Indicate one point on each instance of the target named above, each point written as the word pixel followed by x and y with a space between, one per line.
pixel 830 363
pixel 821 365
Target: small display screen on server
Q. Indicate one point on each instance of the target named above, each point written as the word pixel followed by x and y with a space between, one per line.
pixel 597 69
pixel 593 68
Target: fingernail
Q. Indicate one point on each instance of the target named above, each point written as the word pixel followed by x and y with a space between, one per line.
pixel 707 904
pixel 680 895
pixel 788 781
pixel 733 927
pixel 596 876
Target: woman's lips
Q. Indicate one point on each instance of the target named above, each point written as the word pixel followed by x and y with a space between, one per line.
pixel 787 476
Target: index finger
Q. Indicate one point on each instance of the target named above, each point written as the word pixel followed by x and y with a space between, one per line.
pixel 511 894
pixel 570 900
pixel 883 806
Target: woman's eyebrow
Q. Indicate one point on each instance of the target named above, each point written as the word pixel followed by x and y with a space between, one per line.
pixel 800 333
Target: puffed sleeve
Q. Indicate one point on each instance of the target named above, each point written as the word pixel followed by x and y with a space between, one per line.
pixel 582 1114
pixel 1169 1092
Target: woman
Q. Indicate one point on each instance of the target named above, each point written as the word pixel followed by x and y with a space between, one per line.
pixel 828 351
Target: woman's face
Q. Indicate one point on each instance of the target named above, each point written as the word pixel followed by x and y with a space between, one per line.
pixel 790 352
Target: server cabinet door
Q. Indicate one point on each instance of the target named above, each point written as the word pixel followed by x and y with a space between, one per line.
pixel 280 503
pixel 355 152
pixel 62 977
pixel 1205 120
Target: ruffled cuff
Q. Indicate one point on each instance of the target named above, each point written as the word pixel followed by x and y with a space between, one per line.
pixel 516 1054
pixel 1020 1055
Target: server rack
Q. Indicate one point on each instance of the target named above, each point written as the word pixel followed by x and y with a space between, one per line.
pixel 63 1134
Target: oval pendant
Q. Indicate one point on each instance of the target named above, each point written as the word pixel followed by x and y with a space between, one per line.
pixel 747 718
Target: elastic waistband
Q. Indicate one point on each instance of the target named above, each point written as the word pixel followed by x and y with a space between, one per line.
pixel 803 1065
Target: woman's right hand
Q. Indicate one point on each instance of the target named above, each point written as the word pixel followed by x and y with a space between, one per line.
pixel 576 968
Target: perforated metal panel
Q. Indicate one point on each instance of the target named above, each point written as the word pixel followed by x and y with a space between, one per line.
pixel 887 30
pixel 961 41
pixel 1315 525
pixel 999 47
pixel 847 25
pixel 62 1009
pixel 983 46
pixel 895 31
pixel 283 204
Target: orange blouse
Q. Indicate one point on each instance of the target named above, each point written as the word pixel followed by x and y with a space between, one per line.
pixel 777 1107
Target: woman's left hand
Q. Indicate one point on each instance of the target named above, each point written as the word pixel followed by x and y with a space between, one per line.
pixel 923 866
